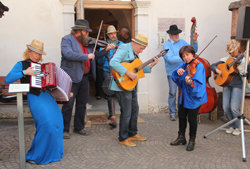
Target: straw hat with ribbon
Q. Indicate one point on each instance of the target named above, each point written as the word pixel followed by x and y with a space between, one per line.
pixel 36 46
pixel 141 39
pixel 111 29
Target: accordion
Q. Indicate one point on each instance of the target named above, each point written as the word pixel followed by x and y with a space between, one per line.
pixel 46 76
pixel 54 79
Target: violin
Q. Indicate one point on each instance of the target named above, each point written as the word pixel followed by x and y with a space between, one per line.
pixel 211 92
pixel 92 41
pixel 191 69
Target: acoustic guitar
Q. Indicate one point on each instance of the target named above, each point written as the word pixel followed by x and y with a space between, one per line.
pixel 124 82
pixel 228 70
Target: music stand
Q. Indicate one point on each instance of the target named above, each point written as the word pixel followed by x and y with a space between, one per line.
pixel 19 89
pixel 241 117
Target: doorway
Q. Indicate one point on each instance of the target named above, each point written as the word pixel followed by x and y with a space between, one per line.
pixel 122 17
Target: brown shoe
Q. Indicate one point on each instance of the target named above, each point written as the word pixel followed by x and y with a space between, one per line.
pixel 138 137
pixel 128 143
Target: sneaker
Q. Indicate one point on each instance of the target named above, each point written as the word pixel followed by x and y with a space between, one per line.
pixel 138 137
pixel 113 123
pixel 236 132
pixel 66 135
pixel 172 118
pixel 229 130
pixel 128 143
pixel 109 117
pixel 81 132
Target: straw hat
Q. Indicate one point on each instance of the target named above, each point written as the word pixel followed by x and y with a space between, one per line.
pixel 233 45
pixel 36 46
pixel 111 29
pixel 141 39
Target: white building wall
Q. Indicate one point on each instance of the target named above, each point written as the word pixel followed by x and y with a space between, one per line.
pixel 28 20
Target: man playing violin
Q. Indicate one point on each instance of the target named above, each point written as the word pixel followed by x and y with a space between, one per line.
pixel 172 61
pixel 78 61
pixel 190 76
pixel 113 43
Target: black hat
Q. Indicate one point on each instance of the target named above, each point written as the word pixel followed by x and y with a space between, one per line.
pixel 82 24
pixel 173 30
pixel 3 7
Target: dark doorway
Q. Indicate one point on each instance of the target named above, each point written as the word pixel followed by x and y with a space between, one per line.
pixel 117 17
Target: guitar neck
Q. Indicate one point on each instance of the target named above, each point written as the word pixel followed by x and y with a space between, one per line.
pixel 236 60
pixel 147 63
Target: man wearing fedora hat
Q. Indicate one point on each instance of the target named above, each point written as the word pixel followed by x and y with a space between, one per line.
pixel 114 44
pixel 172 61
pixel 128 99
pixel 78 61
pixel 3 9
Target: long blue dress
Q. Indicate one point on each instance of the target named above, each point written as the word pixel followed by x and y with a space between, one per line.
pixel 47 145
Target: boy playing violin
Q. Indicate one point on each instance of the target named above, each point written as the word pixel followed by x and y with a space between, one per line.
pixel 190 76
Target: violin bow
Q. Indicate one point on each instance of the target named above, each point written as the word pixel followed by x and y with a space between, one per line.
pixel 98 36
pixel 207 45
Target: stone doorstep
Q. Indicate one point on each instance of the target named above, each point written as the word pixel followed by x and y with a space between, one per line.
pixel 93 117
pixel 10 111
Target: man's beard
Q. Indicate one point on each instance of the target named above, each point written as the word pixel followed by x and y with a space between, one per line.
pixel 175 40
pixel 83 40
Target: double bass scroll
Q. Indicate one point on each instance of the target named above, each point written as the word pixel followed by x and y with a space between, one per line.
pixel 211 92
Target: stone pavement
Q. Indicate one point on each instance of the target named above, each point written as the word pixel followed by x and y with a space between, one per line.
pixel 101 149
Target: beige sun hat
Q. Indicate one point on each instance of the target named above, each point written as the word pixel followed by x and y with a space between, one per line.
pixel 36 46
pixel 111 29
pixel 141 39
pixel 232 45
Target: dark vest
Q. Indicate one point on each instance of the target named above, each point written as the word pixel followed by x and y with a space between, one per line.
pixel 26 78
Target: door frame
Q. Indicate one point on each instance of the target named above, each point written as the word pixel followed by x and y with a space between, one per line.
pixel 127 5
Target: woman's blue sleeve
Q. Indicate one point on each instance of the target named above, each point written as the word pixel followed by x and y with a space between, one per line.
pixel 147 69
pixel 15 73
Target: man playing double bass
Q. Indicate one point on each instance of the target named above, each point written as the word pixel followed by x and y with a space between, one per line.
pixel 172 61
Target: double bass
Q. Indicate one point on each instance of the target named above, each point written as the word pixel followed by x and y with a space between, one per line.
pixel 212 97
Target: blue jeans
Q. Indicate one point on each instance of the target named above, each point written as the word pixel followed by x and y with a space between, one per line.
pixel 231 102
pixel 111 99
pixel 129 114
pixel 172 96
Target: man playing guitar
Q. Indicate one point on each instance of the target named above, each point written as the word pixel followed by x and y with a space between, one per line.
pixel 128 98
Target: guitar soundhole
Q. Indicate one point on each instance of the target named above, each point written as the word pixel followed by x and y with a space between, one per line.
pixel 136 70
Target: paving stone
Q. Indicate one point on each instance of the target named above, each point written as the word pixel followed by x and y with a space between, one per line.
pixel 101 149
